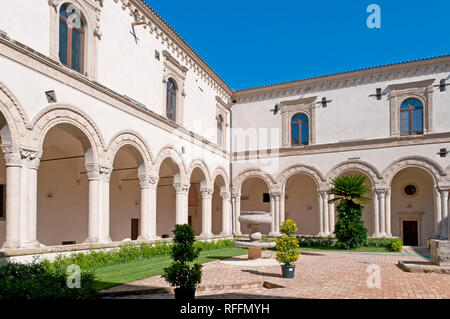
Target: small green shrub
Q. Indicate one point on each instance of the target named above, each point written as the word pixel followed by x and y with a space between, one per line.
pixel 40 281
pixel 287 245
pixel 396 245
pixel 181 273
pixel 288 227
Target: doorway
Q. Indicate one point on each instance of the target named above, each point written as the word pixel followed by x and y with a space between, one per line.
pixel 410 233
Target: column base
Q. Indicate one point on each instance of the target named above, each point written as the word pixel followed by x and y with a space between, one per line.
pixel 11 245
pixel 275 234
pixel 321 234
pixel 205 236
pixel 148 238
pixel 106 240
pixel 30 244
pixel 225 235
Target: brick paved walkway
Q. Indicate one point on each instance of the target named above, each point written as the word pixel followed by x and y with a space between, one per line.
pixel 328 275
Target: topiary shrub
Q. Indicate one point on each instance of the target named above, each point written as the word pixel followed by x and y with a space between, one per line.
pixel 181 273
pixel 287 245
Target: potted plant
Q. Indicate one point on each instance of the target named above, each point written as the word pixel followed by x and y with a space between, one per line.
pixel 349 193
pixel 182 273
pixel 287 248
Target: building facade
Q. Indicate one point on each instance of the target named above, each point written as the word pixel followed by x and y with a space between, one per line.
pixel 113 128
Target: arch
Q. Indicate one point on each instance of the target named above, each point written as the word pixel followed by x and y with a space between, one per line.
pixel 220 171
pixel 249 173
pixel 361 166
pixel 130 138
pixel 437 173
pixel 58 114
pixel 296 169
pixel 170 152
pixel 200 164
pixel 14 116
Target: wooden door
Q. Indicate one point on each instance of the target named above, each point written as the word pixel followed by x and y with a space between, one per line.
pixel 410 233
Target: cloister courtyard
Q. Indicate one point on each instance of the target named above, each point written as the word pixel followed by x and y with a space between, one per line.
pixel 319 275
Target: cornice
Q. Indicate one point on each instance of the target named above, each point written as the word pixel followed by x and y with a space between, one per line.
pixel 177 45
pixel 410 85
pixel 390 72
pixel 38 62
pixel 435 138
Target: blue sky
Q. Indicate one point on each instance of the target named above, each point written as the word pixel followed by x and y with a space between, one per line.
pixel 253 43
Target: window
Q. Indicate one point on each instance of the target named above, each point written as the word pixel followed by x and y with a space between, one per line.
pixel 71 37
pixel 411 117
pixel 410 190
pixel 299 129
pixel 266 198
pixel 220 130
pixel 171 99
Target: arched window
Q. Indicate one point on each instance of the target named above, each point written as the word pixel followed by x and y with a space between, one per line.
pixel 220 130
pixel 411 117
pixel 71 37
pixel 171 99
pixel 299 129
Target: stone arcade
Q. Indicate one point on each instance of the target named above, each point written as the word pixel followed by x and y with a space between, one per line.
pixel 108 136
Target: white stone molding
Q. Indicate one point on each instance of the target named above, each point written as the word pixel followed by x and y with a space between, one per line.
pixel 148 181
pixel 292 107
pixel 355 165
pixel 220 171
pixel 423 91
pixel 91 13
pixel 200 164
pixel 172 69
pixel 175 156
pixel 140 149
pixel 249 173
pixel 287 173
pixel 53 115
pixel 438 174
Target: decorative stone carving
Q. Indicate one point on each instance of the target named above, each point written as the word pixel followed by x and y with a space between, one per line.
pixel 239 180
pixel 206 193
pixel 355 165
pixel 148 181
pixel 300 169
pixel 181 188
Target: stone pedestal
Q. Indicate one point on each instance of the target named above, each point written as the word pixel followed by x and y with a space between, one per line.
pixel 254 253
pixel 440 252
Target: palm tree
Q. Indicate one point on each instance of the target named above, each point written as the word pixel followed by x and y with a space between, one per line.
pixel 349 193
pixel 350 188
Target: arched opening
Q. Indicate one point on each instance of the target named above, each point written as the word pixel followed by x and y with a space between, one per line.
pixel 217 205
pixel 63 189
pixel 412 206
pixel 169 173
pixel 4 139
pixel 302 203
pixel 171 99
pixel 195 202
pixel 125 194
pixel 255 196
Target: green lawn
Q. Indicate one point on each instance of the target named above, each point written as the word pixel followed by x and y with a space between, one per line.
pixel 110 276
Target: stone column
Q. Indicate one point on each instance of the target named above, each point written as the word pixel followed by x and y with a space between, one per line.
pixel 437 212
pixel 148 184
pixel 237 213
pixel 444 210
pixel 326 227
pixel 98 229
pixel 282 207
pixel 206 196
pixel 382 208
pixel 388 214
pixel 13 180
pixel 376 215
pixel 30 165
pixel 226 218
pixel 277 214
pixel 331 212
pixel 321 231
pixel 272 212
pixel 181 203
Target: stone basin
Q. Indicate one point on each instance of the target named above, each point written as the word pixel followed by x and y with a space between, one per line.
pixel 255 218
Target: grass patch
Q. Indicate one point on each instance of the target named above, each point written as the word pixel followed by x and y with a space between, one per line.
pixel 114 275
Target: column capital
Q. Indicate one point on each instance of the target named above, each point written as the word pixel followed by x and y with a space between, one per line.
pixel 16 155
pixel 148 181
pixel 181 188
pixel 225 195
pixel 98 172
pixel 206 193
pixel 382 192
pixel 442 189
